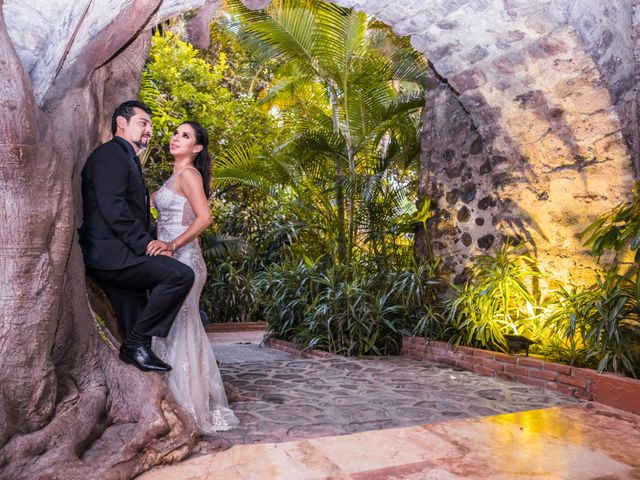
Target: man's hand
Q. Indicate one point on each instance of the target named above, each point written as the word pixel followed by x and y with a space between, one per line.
pixel 158 247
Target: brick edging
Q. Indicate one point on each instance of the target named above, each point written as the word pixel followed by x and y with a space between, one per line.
pixel 235 326
pixel 289 347
pixel 609 389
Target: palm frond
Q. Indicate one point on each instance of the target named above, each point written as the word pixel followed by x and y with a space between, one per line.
pixel 245 165
pixel 287 27
pixel 216 246
pixel 340 39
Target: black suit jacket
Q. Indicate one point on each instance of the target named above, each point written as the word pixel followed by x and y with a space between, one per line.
pixel 116 225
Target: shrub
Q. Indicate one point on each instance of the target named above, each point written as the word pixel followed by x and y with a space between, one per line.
pixel 599 325
pixel 345 311
pixel 497 300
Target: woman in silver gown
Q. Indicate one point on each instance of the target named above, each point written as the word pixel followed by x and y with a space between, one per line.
pixel 183 214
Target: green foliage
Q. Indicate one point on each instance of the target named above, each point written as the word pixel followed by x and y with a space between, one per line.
pixel 349 97
pixel 314 117
pixel 319 305
pixel 416 288
pixel 617 229
pixel 602 320
pixel 599 325
pixel 314 114
pixel 246 73
pixel 179 84
pixel 596 326
pixel 354 124
pixel 227 295
pixel 497 299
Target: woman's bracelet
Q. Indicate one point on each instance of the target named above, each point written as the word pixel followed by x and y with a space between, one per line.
pixel 173 245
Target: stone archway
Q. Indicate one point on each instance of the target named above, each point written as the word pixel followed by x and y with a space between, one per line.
pixel 533 124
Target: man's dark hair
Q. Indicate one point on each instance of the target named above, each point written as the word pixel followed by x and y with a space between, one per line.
pixel 125 110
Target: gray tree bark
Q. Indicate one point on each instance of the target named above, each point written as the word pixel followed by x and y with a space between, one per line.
pixel 198 26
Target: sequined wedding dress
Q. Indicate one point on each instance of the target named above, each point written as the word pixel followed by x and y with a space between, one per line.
pixel 195 379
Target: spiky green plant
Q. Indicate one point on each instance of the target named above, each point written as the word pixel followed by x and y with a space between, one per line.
pixel 599 325
pixel 497 300
pixel 320 306
pixel 617 229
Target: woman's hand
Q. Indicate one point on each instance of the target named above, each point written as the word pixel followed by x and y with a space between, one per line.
pixel 158 247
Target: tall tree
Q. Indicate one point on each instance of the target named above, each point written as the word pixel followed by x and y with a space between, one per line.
pixel 68 407
pixel 354 89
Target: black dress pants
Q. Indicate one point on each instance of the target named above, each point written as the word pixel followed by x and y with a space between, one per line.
pixel 146 296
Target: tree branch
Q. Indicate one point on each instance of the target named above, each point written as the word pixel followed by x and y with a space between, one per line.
pixel 104 46
pixel 17 123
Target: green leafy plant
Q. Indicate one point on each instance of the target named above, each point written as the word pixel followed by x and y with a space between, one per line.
pixel 320 305
pixel 227 295
pixel 316 149
pixel 600 322
pixel 347 94
pixel 603 319
pixel 285 292
pixel 179 84
pixel 564 334
pixel 616 229
pixel 416 288
pixel 497 300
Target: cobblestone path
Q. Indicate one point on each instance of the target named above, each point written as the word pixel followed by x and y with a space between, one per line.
pixel 288 397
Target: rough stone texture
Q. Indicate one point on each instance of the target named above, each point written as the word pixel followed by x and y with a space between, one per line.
pixel 48 34
pixel 287 397
pixel 198 27
pixel 598 27
pixel 457 160
pixel 547 91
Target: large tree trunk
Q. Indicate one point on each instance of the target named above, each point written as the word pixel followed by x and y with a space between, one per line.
pixel 198 26
pixel 68 407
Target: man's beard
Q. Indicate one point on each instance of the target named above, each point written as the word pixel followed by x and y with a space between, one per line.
pixel 142 143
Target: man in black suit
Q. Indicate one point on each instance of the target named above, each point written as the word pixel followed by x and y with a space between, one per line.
pixel 145 286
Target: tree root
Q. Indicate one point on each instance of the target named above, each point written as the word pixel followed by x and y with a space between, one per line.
pixel 83 441
pixel 111 421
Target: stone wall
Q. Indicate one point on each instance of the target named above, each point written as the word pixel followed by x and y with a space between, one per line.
pixel 598 25
pixel 536 120
pixel 467 209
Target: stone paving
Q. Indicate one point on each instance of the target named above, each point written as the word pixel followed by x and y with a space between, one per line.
pixel 288 397
pixel 456 425
pixel 560 443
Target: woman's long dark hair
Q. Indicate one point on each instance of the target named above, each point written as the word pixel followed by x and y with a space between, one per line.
pixel 202 161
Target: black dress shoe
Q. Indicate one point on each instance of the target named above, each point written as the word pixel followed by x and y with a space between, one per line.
pixel 143 358
pixel 157 360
